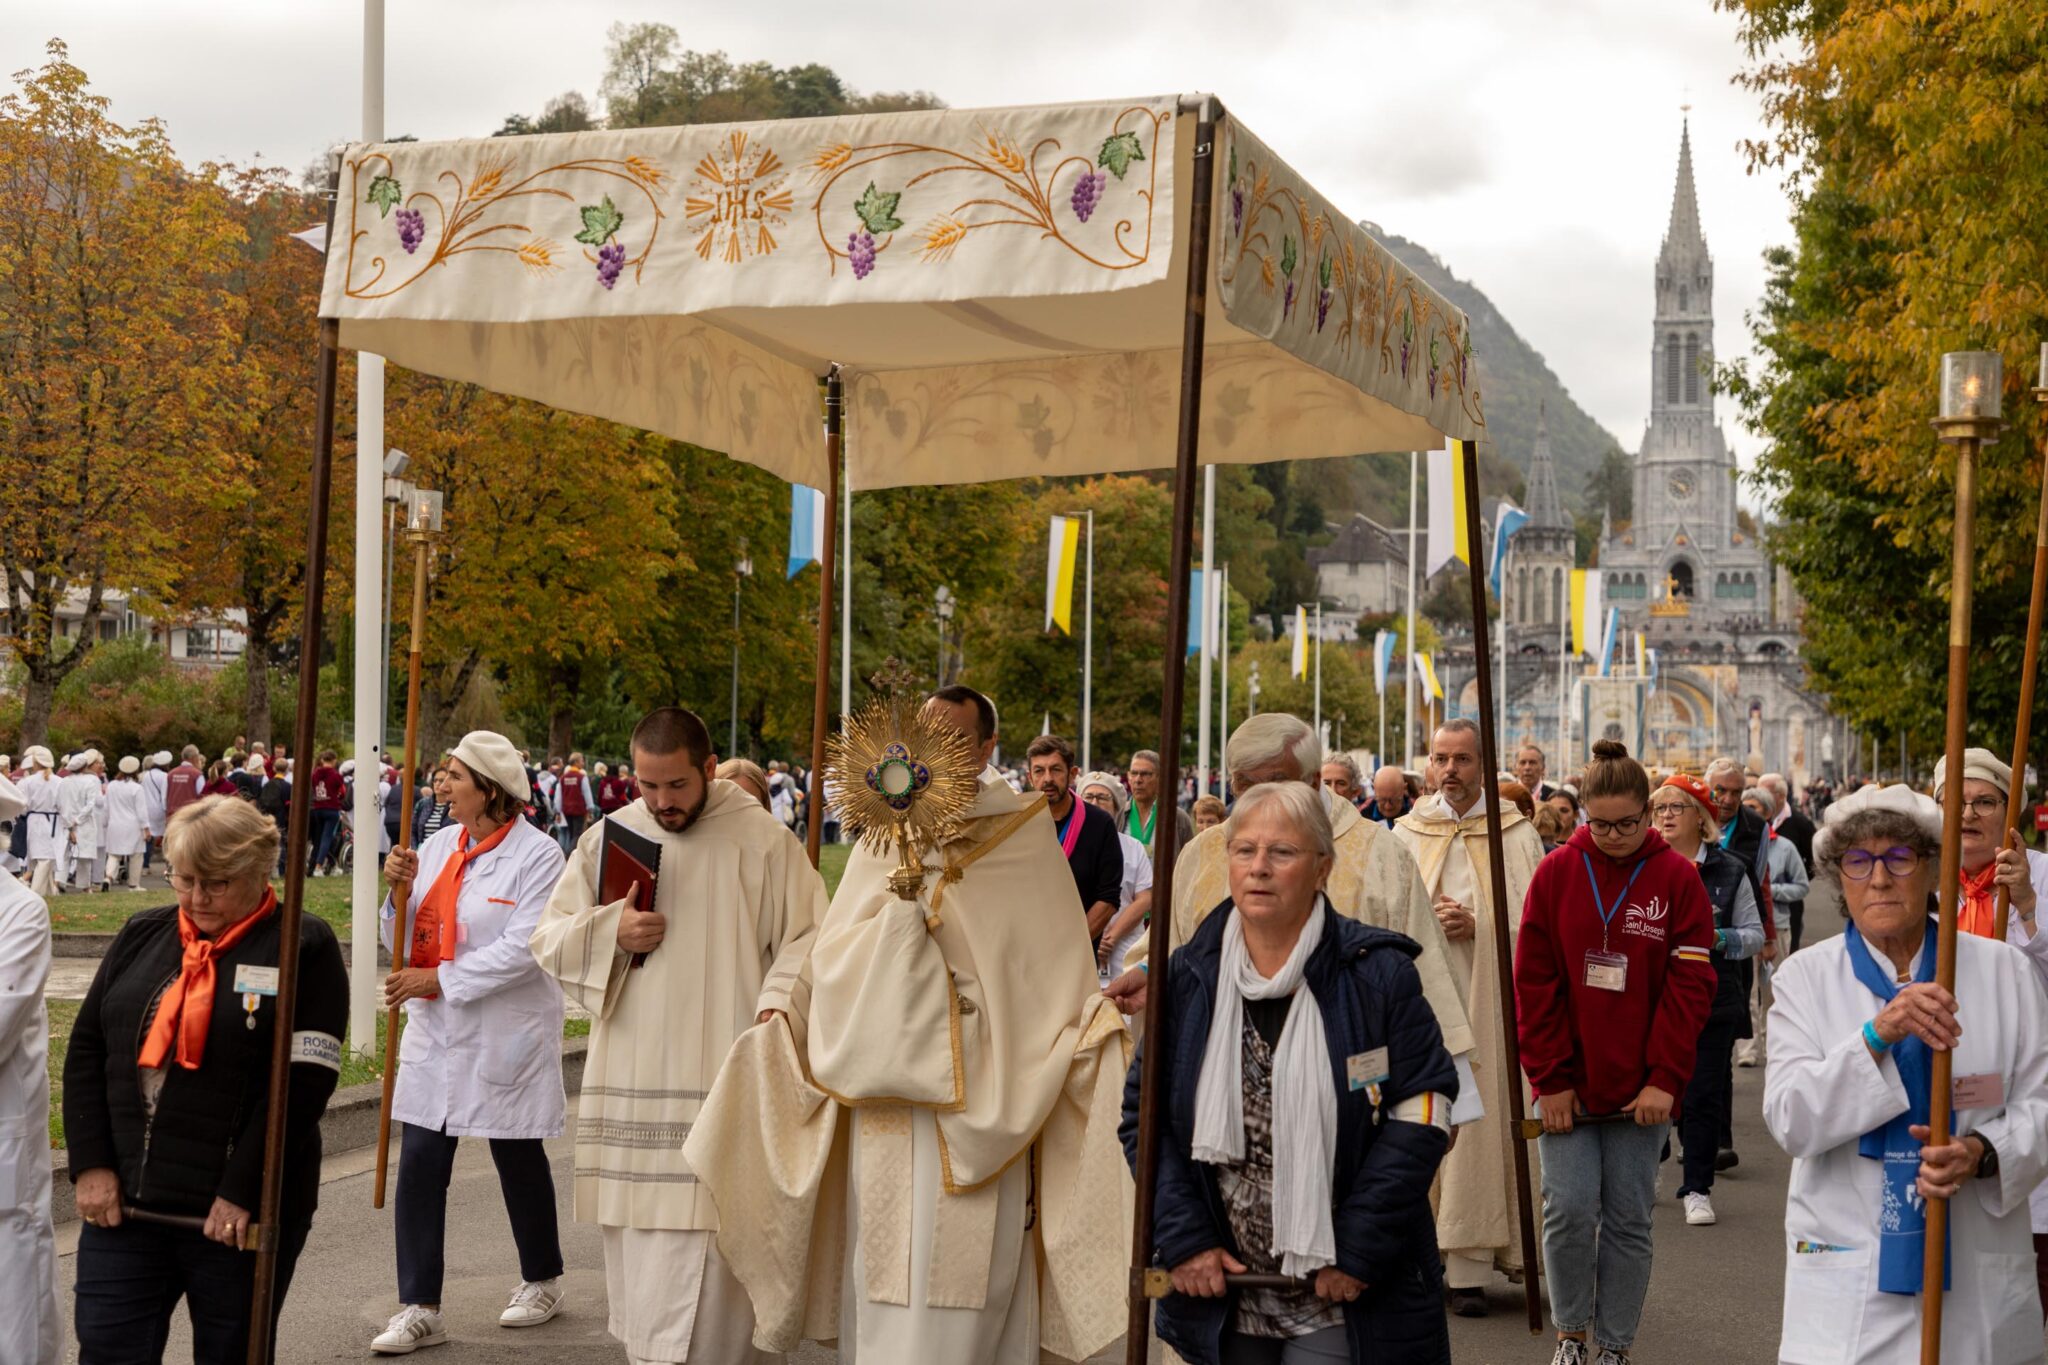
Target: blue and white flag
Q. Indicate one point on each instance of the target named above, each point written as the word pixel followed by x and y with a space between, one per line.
pixel 1507 521
pixel 1197 619
pixel 1382 660
pixel 806 527
pixel 1608 639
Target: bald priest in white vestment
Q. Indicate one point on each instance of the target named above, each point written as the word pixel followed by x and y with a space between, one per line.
pixel 735 907
pixel 925 1166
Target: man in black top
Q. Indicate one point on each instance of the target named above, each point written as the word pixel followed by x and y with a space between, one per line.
pixel 1087 835
pixel 1529 770
pixel 1744 834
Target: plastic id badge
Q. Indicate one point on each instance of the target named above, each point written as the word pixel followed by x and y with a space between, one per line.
pixel 1607 971
pixel 255 980
pixel 1366 1070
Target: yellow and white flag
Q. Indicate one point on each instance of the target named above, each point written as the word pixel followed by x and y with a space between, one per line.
pixel 1581 610
pixel 1449 537
pixel 1061 551
pixel 1425 672
pixel 1301 642
pixel 1642 656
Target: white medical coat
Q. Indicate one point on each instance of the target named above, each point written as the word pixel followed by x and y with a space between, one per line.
pixel 31 1329
pixel 1823 1091
pixel 485 1058
pixel 127 818
pixel 80 800
pixel 156 790
pixel 45 820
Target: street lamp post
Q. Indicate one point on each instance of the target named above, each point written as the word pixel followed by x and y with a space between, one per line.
pixel 944 603
pixel 742 571
pixel 1252 690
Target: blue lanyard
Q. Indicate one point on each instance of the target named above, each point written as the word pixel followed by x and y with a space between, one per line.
pixel 1607 911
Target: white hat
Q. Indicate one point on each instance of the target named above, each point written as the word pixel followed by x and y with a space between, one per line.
pixel 131 765
pixel 160 759
pixel 12 802
pixel 348 767
pixel 1898 798
pixel 255 764
pixel 78 762
pixel 36 756
pixel 1120 797
pixel 491 755
pixel 1981 764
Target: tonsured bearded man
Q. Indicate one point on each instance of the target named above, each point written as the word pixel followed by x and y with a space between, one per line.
pixel 942 1179
pixel 735 908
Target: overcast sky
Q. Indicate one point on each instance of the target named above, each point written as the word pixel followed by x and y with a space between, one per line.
pixel 1531 144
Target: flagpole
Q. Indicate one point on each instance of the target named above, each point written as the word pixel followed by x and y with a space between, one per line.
pixel 846 607
pixel 1564 640
pixel 1223 659
pixel 1408 673
pixel 1088 650
pixel 1208 632
pixel 1319 670
pixel 1507 569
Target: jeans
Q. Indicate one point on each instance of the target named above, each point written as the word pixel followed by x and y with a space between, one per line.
pixel 326 836
pixel 130 1279
pixel 1599 1185
pixel 1313 1349
pixel 425 1162
pixel 1704 1112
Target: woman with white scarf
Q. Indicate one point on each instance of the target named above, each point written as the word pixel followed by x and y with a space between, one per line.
pixel 1306 1112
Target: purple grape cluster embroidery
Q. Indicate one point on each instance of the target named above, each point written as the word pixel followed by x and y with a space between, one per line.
pixel 601 224
pixel 1088 192
pixel 412 229
pixel 860 253
pixel 611 259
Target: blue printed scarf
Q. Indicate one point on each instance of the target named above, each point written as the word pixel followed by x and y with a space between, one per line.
pixel 1902 1217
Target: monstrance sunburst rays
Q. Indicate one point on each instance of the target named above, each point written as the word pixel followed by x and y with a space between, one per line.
pixel 898 776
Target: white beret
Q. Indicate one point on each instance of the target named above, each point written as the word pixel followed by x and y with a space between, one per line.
pixel 131 765
pixel 491 755
pixel 1898 798
pixel 36 756
pixel 1981 764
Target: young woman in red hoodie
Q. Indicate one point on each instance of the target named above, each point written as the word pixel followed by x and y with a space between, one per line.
pixel 1613 980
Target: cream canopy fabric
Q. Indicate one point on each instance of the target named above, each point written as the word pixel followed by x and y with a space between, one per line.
pixel 1004 290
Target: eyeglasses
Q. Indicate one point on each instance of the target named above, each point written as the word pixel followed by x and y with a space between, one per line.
pixel 1609 828
pixel 1857 863
pixel 1982 806
pixel 185 885
pixel 1279 855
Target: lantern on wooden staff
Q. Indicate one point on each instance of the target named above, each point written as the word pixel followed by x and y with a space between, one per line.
pixel 422 525
pixel 2016 799
pixel 1970 419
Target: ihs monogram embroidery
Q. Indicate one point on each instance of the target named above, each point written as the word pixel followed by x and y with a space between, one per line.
pixel 736 196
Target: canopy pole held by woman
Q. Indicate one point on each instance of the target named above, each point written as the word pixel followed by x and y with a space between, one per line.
pixel 420 532
pixel 262 1304
pixel 1969 417
pixel 828 560
pixel 2030 659
pixel 1152 1072
pixel 1503 954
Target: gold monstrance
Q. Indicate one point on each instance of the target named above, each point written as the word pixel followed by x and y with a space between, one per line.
pixel 897 775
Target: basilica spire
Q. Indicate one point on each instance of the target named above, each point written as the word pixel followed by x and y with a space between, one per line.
pixel 1546 508
pixel 1683 232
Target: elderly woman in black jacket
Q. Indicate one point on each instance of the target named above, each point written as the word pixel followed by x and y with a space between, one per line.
pixel 166 1095
pixel 1307 1106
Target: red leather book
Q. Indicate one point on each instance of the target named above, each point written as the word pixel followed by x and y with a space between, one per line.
pixel 627 865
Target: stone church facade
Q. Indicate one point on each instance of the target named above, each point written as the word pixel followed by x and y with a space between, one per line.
pixel 1683 572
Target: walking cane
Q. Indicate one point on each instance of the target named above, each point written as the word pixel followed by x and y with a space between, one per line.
pixel 1970 392
pixel 421 526
pixel 2028 660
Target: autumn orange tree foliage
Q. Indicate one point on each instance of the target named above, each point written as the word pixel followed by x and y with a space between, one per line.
pixel 1914 140
pixel 117 330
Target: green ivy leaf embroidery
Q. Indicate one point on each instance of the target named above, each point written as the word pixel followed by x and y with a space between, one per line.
pixel 877 209
pixel 385 194
pixel 600 222
pixel 1288 260
pixel 1323 272
pixel 1233 163
pixel 1118 152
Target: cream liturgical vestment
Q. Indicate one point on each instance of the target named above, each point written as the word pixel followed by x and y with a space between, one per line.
pixel 1374 882
pixel 926 1168
pixel 1476 1216
pixel 741 905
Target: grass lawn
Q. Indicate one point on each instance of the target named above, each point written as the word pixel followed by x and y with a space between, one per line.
pixel 326 897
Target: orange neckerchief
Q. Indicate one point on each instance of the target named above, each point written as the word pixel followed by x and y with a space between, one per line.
pixel 186 1009
pixel 1978 911
pixel 434 927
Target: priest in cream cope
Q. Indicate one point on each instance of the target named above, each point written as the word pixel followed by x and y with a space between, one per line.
pixel 735 908
pixel 924 1164
pixel 1477 1225
pixel 1373 880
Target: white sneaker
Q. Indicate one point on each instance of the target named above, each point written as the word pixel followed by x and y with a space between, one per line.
pixel 533 1303
pixel 411 1328
pixel 1699 1210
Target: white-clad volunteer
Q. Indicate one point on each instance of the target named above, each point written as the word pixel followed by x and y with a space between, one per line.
pixel 1134 902
pixel 40 788
pixel 31 1330
pixel 82 800
pixel 156 793
pixel 482 1055
pixel 127 825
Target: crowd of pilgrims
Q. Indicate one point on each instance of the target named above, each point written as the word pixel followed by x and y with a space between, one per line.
pixel 951 1075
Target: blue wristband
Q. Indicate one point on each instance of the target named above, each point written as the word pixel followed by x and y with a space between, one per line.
pixel 1877 1044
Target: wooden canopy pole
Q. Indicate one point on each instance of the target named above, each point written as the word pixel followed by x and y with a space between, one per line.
pixel 1201 193
pixel 2015 803
pixel 263 1302
pixel 1496 862
pixel 828 562
pixel 401 937
pixel 1966 430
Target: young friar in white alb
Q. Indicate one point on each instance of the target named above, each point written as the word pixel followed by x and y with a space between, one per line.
pixel 735 907
pixel 924 1167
